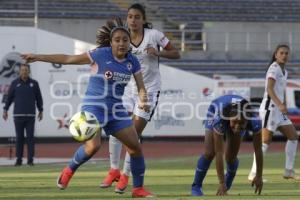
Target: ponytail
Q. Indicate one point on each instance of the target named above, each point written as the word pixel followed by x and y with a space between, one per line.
pixel 105 33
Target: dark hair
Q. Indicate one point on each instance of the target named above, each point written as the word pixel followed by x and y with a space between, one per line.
pixel 141 8
pixel 274 53
pixel 242 108
pixel 105 33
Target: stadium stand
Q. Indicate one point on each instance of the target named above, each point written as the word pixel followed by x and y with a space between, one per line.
pixel 172 14
pixel 60 9
pixel 230 10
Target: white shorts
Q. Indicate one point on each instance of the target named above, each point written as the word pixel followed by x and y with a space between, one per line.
pixel 131 102
pixel 273 118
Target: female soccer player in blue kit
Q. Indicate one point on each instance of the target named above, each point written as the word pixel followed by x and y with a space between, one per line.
pixel 112 66
pixel 228 116
pixel 145 43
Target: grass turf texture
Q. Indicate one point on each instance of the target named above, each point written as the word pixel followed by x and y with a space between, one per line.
pixel 167 178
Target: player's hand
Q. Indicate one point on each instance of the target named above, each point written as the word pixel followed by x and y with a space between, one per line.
pixel 152 51
pixel 258 183
pixel 144 106
pixel 222 190
pixel 40 116
pixel 143 103
pixel 29 57
pixel 283 109
pixel 5 115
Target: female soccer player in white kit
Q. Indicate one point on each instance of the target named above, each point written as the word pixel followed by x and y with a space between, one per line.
pixel 273 112
pixel 145 43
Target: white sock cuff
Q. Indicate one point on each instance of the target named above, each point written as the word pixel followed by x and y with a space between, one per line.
pixel 292 141
pixel 115 148
pixel 290 151
pixel 264 147
pixel 114 140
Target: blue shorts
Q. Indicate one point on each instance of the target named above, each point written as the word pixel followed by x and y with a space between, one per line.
pixel 110 122
pixel 208 122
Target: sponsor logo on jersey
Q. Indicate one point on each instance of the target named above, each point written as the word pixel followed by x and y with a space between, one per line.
pixel 129 66
pixel 108 74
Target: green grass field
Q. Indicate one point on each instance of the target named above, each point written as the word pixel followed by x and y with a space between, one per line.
pixel 168 179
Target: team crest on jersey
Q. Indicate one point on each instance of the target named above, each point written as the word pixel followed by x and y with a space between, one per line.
pixel 108 74
pixel 129 66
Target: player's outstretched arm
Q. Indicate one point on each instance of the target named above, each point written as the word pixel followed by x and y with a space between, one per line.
pixel 219 152
pixel 257 181
pixel 58 58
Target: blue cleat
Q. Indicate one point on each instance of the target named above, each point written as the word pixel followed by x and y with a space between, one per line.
pixel 196 191
pixel 230 174
pixel 229 179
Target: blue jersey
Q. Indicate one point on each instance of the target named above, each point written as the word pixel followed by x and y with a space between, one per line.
pixel 106 87
pixel 214 121
pixel 109 78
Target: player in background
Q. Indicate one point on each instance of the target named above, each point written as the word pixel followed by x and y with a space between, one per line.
pixel 273 112
pixel 145 44
pixel 112 66
pixel 229 116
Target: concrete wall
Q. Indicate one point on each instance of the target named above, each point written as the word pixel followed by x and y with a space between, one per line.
pixel 82 29
pixel 248 36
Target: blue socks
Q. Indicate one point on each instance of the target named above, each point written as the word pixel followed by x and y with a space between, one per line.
pixel 137 165
pixel 230 174
pixel 201 170
pixel 79 158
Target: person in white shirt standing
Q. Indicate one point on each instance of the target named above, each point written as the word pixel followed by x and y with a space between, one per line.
pixel 145 43
pixel 273 112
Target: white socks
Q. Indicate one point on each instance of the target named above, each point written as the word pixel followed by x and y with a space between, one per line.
pixel 290 153
pixel 126 167
pixel 264 148
pixel 115 148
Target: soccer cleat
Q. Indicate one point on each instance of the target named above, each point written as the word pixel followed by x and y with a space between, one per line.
pixel 291 174
pixel 229 177
pixel 196 191
pixel 18 163
pixel 113 175
pixel 64 178
pixel 122 184
pixel 140 192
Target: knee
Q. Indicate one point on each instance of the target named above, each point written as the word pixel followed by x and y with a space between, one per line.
pixel 230 160
pixel 293 137
pixel 91 149
pixel 266 141
pixel 209 155
pixel 135 150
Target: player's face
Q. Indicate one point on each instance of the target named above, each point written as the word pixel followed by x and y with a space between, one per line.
pixel 282 55
pixel 135 20
pixel 120 43
pixel 238 124
pixel 24 72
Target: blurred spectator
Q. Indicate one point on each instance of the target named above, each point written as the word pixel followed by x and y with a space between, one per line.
pixel 26 95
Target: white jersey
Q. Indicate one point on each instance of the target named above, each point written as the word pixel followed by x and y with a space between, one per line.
pixel 275 72
pixel 149 64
